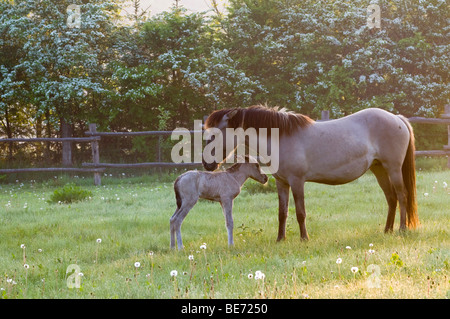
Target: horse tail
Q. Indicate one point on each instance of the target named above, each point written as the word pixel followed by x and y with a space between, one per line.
pixel 409 179
pixel 177 192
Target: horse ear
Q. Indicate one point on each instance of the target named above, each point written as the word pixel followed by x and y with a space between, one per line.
pixel 232 113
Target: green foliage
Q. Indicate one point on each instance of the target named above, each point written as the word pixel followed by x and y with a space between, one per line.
pixel 396 260
pixel 68 194
pixel 253 187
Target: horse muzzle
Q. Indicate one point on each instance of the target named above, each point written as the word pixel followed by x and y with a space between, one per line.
pixel 264 179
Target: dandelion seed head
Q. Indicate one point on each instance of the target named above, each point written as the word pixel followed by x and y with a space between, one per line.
pixel 339 260
pixel 173 273
pixel 137 264
pixel 354 270
pixel 259 275
pixel 99 240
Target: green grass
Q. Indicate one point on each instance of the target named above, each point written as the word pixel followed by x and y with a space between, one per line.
pixel 131 217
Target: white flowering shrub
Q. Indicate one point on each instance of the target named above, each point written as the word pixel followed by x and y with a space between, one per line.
pixel 315 55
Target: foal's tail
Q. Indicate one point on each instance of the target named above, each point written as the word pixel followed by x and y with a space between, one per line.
pixel 409 179
pixel 177 192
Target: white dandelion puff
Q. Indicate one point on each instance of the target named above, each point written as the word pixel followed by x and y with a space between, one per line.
pixel 259 275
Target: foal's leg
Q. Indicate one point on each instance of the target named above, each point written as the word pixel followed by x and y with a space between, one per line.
pixel 298 186
pixel 172 229
pixel 389 191
pixel 177 219
pixel 227 208
pixel 283 208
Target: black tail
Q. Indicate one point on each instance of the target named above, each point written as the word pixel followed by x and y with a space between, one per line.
pixel 177 192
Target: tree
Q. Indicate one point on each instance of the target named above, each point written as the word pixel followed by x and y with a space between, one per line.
pixel 321 54
pixel 61 63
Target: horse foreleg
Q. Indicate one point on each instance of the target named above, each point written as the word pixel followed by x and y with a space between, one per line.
pixel 283 208
pixel 227 208
pixel 298 191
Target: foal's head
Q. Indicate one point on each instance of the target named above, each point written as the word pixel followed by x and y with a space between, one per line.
pixel 252 170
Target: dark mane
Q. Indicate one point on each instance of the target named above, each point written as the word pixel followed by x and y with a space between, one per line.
pixel 234 168
pixel 259 116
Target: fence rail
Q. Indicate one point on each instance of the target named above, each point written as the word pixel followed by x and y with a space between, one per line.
pixel 52 139
pixel 96 170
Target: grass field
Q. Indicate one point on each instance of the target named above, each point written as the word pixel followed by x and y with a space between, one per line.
pixel 133 260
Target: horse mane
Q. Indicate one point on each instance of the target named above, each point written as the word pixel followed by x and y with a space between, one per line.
pixel 234 168
pixel 260 116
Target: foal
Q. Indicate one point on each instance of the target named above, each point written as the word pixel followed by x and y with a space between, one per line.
pixel 220 187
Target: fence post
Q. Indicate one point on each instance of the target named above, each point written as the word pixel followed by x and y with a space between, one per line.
pixel 95 154
pixel 325 115
pixel 66 131
pixel 447 115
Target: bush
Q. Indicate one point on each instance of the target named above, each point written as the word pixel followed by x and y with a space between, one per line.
pixel 253 187
pixel 69 193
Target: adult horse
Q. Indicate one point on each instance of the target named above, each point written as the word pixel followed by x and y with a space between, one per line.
pixel 333 152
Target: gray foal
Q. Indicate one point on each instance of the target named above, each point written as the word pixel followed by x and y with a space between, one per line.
pixel 220 186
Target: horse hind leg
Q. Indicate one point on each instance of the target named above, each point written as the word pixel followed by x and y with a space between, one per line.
pixel 177 219
pixel 396 177
pixel 389 192
pixel 173 229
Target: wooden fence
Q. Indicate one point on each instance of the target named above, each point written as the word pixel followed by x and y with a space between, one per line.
pixel 92 139
pixel 96 167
